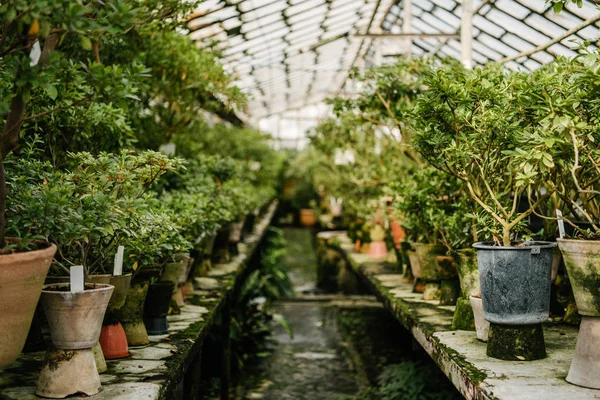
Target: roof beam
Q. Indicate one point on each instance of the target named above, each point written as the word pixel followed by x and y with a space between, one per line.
pixel 406 35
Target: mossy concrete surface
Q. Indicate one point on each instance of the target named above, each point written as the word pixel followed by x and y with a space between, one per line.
pixel 154 371
pixel 458 353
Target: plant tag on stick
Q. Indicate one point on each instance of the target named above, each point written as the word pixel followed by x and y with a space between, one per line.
pixel 561 224
pixel 118 269
pixel 77 279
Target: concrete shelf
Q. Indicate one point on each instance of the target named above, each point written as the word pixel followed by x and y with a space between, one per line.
pixel 458 353
pixel 156 371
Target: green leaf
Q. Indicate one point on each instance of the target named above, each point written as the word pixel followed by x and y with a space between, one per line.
pixel 86 43
pixel 52 92
pixel 558 7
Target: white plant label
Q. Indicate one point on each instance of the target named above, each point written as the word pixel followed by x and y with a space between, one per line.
pixel 77 279
pixel 118 269
pixel 35 53
pixel 561 224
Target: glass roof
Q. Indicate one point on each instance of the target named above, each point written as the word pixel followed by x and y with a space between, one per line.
pixel 290 55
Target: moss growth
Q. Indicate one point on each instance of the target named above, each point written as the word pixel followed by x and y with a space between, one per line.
pixel 55 357
pixel 474 375
pixel 516 342
pixel 463 316
pixel 449 292
pixel 587 281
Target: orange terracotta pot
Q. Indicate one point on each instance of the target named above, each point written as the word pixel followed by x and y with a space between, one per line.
pixel 378 249
pixel 113 341
pixel 307 217
pixel 22 276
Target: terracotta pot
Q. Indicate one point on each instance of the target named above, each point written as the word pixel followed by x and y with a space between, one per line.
pixel 113 341
pixel 186 260
pixel 307 217
pixel 132 315
pixel 121 284
pixel 481 325
pixel 235 231
pixel 75 319
pixel 431 269
pixel 468 273
pixel 174 272
pixel 582 260
pixel 21 279
pixel 378 249
pixel 67 372
pixel 397 233
pixel 415 265
pixel 99 359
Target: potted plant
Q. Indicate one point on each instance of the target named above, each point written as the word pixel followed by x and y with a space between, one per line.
pixel 570 138
pixel 75 320
pixel 469 124
pixel 425 197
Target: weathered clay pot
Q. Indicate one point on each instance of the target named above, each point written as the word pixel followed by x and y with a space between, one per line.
pixel 21 279
pixel 307 217
pixel 585 367
pixel 428 264
pixel 582 260
pixel 397 233
pixel 67 372
pixel 187 266
pixel 75 319
pixel 468 273
pixel 481 325
pixel 378 249
pixel 132 315
pixel 173 273
pixel 99 359
pixel 121 285
pixel 515 282
pixel 415 265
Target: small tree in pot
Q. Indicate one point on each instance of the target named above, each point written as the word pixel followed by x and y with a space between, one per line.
pixel 470 124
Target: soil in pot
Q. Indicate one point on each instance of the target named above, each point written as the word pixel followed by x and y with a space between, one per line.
pixel 22 275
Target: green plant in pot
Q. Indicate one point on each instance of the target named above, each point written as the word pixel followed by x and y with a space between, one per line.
pixel 571 138
pixel 469 124
pixel 425 197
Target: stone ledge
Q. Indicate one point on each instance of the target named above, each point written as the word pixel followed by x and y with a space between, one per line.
pixel 153 371
pixel 458 353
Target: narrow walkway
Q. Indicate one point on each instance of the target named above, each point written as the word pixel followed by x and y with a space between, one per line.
pixel 312 365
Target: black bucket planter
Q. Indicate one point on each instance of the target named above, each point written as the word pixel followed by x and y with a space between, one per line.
pixel 515 289
pixel 156 307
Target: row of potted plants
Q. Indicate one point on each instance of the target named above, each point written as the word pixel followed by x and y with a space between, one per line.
pixel 475 165
pixel 120 157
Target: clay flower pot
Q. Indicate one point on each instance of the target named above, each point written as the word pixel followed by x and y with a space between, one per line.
pixel 22 276
pixel 307 217
pixel 468 274
pixel 433 270
pixel 481 325
pixel 156 307
pixel 132 315
pixel 75 321
pixel 377 248
pixel 582 259
pixel 174 272
pixel 112 337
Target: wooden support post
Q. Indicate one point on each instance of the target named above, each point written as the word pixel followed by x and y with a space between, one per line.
pixel 466 34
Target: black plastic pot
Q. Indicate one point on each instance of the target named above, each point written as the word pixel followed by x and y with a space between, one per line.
pixel 156 325
pixel 158 299
pixel 515 282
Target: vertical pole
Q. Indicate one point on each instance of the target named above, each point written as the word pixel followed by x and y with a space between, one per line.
pixel 466 34
pixel 407 26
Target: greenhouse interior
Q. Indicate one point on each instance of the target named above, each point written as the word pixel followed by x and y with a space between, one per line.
pixel 300 199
